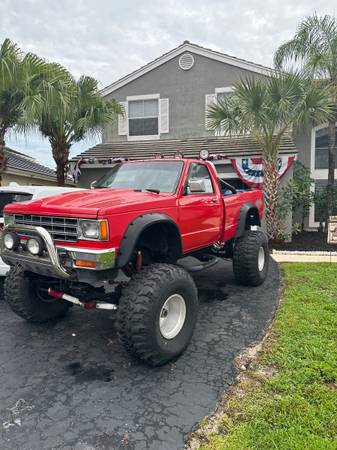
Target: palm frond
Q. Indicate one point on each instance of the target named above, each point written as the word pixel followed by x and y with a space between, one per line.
pixel 314 47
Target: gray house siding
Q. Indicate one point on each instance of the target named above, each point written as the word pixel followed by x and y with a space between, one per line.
pixel 302 141
pixel 185 89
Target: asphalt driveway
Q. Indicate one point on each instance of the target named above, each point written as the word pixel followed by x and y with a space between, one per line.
pixel 70 385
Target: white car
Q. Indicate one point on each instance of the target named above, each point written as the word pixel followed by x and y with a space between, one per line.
pixel 15 193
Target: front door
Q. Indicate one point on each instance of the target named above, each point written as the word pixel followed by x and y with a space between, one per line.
pixel 200 212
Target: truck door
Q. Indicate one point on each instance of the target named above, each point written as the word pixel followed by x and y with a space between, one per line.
pixel 200 213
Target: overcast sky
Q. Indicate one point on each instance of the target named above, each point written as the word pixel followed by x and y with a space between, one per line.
pixel 108 39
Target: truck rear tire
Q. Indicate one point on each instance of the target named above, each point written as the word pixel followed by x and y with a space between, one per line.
pixel 25 299
pixel 157 313
pixel 251 258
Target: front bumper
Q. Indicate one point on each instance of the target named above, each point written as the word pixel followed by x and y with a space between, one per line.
pixel 57 261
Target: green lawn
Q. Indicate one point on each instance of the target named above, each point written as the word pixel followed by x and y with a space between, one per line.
pixel 295 405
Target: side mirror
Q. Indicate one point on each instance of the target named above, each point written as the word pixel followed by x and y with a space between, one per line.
pixel 93 184
pixel 196 186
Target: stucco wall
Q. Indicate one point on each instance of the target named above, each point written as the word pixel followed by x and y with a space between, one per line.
pixel 186 92
pixel 8 178
pixel 302 141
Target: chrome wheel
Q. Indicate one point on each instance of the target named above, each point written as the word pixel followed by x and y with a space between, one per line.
pixel 172 316
pixel 261 259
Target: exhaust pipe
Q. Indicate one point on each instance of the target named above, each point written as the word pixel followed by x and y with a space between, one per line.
pixel 76 301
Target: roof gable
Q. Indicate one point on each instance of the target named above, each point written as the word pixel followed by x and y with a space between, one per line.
pixel 187 46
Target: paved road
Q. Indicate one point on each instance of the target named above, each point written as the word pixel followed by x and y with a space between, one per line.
pixel 70 385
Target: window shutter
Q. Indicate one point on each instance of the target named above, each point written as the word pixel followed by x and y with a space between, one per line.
pixel 164 115
pixel 209 99
pixel 123 120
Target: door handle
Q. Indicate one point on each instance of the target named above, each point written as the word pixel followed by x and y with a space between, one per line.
pixel 211 201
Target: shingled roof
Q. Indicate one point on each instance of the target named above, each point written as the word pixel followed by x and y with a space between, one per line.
pixel 231 146
pixel 21 162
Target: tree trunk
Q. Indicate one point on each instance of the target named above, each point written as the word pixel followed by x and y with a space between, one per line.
pixel 332 165
pixel 271 189
pixel 60 149
pixel 3 159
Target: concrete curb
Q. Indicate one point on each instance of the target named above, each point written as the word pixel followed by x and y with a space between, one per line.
pixel 298 252
pixel 305 257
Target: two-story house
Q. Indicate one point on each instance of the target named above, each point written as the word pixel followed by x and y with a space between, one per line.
pixel 165 105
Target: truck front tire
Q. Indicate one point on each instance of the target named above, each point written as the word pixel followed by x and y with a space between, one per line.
pixel 157 313
pixel 251 258
pixel 23 297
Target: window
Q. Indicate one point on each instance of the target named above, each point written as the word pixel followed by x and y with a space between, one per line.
pixel 320 186
pixel 143 117
pixel 199 172
pixel 321 149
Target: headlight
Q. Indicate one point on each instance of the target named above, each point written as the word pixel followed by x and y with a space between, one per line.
pixel 11 241
pixel 35 245
pixel 94 229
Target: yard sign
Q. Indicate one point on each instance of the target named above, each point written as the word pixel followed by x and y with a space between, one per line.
pixel 332 230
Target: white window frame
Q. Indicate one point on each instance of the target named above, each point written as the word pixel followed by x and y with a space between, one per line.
pixel 317 174
pixel 226 90
pixel 148 137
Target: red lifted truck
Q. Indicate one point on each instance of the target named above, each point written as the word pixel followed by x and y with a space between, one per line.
pixel 121 246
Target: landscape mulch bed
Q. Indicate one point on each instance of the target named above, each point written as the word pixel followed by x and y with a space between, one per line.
pixel 307 241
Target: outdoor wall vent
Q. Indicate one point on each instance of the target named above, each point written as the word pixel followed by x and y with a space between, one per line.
pixel 186 61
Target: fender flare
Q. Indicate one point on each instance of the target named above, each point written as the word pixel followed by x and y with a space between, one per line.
pixel 246 210
pixel 135 229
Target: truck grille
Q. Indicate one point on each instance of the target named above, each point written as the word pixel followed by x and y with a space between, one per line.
pixel 60 228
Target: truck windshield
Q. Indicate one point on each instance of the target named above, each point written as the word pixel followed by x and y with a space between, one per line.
pixel 161 176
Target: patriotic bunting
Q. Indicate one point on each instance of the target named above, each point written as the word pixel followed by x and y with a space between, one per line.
pixel 250 170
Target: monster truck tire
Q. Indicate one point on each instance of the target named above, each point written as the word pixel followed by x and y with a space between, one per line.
pixel 157 313
pixel 22 297
pixel 251 258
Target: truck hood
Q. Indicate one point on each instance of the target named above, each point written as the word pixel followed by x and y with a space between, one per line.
pixel 93 203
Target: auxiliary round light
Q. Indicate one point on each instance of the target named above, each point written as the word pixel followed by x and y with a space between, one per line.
pixel 11 241
pixel 203 154
pixel 34 246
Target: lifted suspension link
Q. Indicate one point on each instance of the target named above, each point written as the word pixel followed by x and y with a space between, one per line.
pixel 93 304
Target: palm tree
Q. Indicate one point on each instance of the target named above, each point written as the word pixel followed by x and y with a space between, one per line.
pixel 268 109
pixel 11 93
pixel 18 77
pixel 67 111
pixel 314 49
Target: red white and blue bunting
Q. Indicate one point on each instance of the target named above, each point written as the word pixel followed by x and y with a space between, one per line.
pixel 250 170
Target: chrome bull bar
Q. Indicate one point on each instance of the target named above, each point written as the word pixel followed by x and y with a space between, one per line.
pixel 49 263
